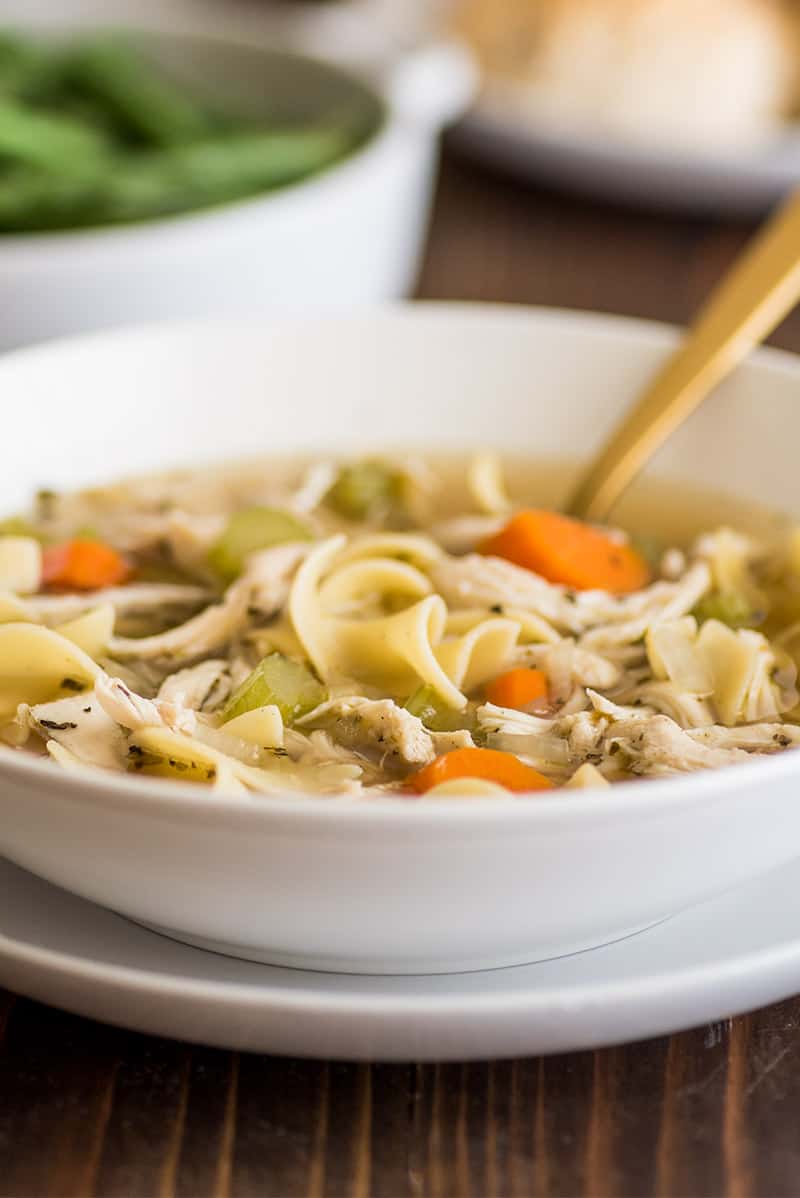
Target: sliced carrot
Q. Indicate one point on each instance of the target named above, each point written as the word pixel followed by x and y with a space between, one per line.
pixel 567 551
pixel 83 565
pixel 518 689
pixel 503 768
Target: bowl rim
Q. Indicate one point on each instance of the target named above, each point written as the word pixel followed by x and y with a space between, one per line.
pixel 318 187
pixel 639 797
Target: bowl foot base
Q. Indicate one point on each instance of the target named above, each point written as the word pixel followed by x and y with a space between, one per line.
pixel 389 966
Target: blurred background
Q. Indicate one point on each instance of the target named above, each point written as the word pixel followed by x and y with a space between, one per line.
pixel 145 179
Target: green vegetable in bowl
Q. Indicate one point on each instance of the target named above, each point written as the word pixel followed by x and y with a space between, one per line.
pixel 48 141
pixel 363 490
pixel 146 106
pixel 92 134
pixel 733 608
pixel 252 529
pixel 288 685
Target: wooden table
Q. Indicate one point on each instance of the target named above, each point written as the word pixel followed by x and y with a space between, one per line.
pixel 90 1110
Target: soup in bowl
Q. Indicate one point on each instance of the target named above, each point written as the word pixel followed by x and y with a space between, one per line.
pixel 366 700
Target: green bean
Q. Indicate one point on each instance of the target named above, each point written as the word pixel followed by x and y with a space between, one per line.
pixel 37 201
pixel 47 140
pixel 226 168
pixel 91 134
pixel 146 105
pixel 123 189
pixel 29 71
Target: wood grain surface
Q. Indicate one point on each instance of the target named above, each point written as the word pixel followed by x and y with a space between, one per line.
pixel 91 1110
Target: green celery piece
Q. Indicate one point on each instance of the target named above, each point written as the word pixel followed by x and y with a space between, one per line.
pixel 278 680
pixel 145 105
pixel 730 607
pixel 251 529
pixel 18 526
pixel 650 548
pixel 362 489
pixel 48 141
pixel 426 704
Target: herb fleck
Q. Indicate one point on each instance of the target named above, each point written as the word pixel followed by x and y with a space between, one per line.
pixel 72 684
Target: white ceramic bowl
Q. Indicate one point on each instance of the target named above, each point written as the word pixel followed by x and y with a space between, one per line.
pixel 392 884
pixel 349 236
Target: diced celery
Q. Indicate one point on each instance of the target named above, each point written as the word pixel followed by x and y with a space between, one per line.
pixel 426 704
pixel 362 489
pixel 18 526
pixel 729 607
pixel 278 680
pixel 252 529
pixel 650 548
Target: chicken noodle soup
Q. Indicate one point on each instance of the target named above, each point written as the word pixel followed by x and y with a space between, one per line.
pixel 386 626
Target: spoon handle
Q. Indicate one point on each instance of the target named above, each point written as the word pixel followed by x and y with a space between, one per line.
pixel 761 288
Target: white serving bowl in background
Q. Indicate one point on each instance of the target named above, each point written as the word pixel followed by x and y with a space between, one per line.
pixel 349 236
pixel 391 884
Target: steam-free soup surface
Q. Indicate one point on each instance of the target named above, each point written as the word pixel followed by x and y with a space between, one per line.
pixel 394 624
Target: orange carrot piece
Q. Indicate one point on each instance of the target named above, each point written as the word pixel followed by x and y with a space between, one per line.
pixel 518 689
pixel 567 551
pixel 83 565
pixel 503 768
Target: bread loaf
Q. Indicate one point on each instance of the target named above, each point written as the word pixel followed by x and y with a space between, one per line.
pixel 705 74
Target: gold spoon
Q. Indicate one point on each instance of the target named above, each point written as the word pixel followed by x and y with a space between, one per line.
pixel 760 289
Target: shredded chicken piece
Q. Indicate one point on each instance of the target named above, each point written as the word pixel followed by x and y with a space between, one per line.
pixel 377 727
pixel 605 619
pixel 314 486
pixel 688 711
pixel 133 712
pixel 184 538
pixel 567 663
pixel 137 599
pixel 446 742
pixel 753 738
pixel 617 711
pixel 536 739
pixel 82 726
pixel 318 748
pixel 657 746
pixel 477 581
pixel 259 594
pixel 585 732
pixel 203 687
pixel 661 601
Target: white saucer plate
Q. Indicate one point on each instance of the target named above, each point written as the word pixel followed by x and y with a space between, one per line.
pixel 744 183
pixel 731 954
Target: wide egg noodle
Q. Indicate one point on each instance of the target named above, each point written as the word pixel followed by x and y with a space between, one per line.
pixel 359 582
pixel 533 629
pixel 486 483
pixel 394 652
pixel 472 659
pixel 412 547
pixel 37 664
